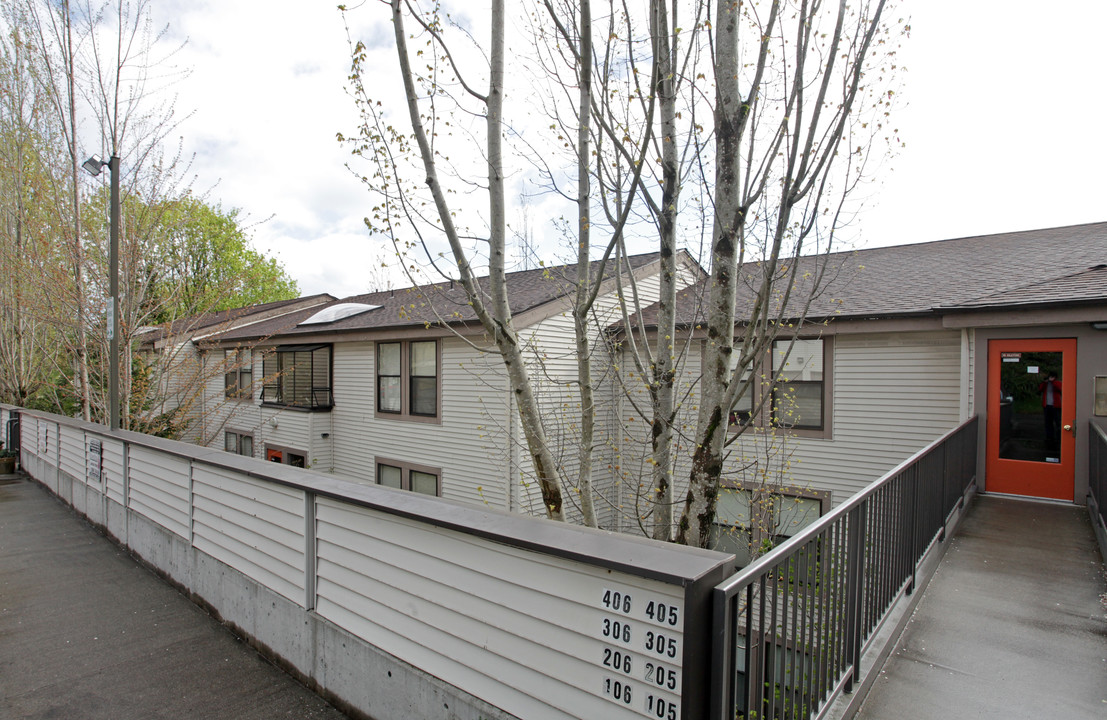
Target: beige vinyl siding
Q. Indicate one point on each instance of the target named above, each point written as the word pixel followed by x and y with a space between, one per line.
pixel 221 413
pixel 552 363
pixel 354 381
pixel 179 376
pixel 553 366
pixel 466 610
pixel 160 489
pixel 968 377
pixel 630 449
pixel 283 427
pixel 255 527
pixel 469 445
pixel 893 394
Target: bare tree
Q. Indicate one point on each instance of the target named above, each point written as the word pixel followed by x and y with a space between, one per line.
pixel 741 127
pixel 777 143
pixel 27 129
pixel 492 307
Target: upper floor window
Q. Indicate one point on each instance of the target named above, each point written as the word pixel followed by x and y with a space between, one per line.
pixel 407 379
pixel 238 365
pixel 790 388
pixel 298 376
pixel 798 388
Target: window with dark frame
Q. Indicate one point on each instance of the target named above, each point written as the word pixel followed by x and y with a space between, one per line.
pixel 405 476
pixel 797 371
pixel 298 376
pixel 238 379
pixel 751 520
pixel 407 378
pixel 799 397
pixel 286 456
pixel 238 443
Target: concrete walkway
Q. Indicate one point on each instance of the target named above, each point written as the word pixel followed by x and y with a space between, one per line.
pixel 1011 626
pixel 87 633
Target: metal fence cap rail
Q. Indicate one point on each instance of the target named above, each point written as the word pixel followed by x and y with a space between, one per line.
pixel 639 556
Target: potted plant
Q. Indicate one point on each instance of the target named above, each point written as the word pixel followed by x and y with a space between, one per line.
pixel 7 460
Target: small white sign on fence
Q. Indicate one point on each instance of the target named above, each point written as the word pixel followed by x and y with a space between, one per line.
pixel 94 463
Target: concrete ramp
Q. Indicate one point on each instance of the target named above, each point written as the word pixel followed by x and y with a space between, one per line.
pixel 1011 626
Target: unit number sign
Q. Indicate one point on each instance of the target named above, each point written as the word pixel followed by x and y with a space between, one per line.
pixel 641 654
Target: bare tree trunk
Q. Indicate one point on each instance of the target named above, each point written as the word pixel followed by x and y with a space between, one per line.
pixel 582 306
pixel 496 320
pixel 664 369
pixel 731 114
pixel 84 383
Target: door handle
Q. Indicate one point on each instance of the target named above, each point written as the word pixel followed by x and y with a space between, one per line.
pixel 1070 429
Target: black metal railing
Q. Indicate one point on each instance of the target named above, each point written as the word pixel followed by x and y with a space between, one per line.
pixel 1097 472
pixel 790 629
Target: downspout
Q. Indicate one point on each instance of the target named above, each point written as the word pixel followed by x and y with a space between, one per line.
pixel 512 451
pixel 966 399
pixel 616 442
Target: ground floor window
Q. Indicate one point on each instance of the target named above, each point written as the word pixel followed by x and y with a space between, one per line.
pixel 405 476
pixel 751 520
pixel 286 456
pixel 239 443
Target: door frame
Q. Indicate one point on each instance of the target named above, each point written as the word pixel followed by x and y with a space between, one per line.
pixel 1055 481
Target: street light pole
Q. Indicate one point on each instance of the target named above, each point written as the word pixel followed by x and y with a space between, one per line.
pixel 113 290
pixel 94 165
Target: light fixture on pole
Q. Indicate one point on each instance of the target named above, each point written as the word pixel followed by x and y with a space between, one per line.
pixel 94 165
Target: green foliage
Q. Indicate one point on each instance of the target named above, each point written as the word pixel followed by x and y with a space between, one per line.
pixel 193 256
pixel 210 264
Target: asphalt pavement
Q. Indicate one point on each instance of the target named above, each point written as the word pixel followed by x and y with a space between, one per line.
pixel 88 633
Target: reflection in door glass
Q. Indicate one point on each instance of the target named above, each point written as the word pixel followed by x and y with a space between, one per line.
pixel 1030 406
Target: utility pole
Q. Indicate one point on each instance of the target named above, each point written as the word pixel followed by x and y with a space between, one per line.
pixel 113 306
pixel 94 165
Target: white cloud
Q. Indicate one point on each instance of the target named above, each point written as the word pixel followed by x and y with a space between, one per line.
pixel 1001 124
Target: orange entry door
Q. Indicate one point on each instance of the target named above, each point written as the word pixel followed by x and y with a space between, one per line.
pixel 1031 417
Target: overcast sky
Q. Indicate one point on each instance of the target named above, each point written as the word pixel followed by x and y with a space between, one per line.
pixel 1003 123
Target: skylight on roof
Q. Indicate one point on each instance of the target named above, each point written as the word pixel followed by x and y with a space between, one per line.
pixel 341 311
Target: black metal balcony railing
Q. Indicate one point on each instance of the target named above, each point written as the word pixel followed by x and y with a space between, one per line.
pixel 790 629
pixel 1097 472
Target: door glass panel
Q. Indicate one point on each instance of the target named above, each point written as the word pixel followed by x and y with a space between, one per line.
pixel 1030 406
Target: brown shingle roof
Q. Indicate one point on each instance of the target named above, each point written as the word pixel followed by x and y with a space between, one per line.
pixel 197 324
pixel 1050 266
pixel 428 304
